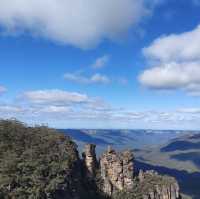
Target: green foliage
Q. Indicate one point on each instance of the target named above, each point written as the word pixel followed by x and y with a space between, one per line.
pixel 34 162
pixel 41 163
pixel 135 193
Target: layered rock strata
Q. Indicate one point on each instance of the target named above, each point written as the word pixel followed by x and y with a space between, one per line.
pixel 118 176
pixel 154 186
pixel 117 170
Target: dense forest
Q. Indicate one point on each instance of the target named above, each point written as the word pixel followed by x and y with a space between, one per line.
pixel 35 162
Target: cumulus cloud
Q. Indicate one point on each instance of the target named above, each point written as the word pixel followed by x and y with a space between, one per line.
pixel 100 78
pixel 81 23
pixel 175 62
pixel 58 97
pixel 55 109
pixel 94 79
pixel 2 89
pixel 172 75
pixel 100 62
pixel 56 104
pixel 60 101
pixel 175 47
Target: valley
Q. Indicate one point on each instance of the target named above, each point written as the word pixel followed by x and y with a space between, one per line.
pixel 175 153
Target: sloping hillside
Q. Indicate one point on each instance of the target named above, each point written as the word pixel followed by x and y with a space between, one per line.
pixel 180 157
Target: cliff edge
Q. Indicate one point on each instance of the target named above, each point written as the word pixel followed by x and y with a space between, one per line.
pixel 41 163
pixel 120 179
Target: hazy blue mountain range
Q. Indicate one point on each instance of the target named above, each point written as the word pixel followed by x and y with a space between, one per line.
pixel 120 139
pixel 179 157
pixel 176 153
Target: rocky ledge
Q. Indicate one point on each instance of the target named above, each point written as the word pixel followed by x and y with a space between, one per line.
pixel 119 179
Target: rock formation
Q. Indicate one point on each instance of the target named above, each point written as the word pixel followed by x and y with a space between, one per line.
pixel 119 177
pixel 154 186
pixel 89 159
pixel 117 170
pixel 42 163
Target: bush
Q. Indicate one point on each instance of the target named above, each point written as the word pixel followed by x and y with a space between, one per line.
pixel 34 162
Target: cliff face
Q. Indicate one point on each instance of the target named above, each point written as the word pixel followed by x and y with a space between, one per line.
pixel 37 162
pixel 154 186
pixel 117 171
pixel 89 159
pixel 120 180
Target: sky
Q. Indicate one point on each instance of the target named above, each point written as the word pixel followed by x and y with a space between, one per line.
pixel 128 64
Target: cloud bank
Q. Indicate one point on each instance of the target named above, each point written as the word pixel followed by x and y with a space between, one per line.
pixel 174 62
pixel 81 23
pixel 66 109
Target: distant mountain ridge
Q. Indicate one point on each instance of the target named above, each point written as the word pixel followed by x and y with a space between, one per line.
pixel 121 139
pixel 179 157
pixel 170 152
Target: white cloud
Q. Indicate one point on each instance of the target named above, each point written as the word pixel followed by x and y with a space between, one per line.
pixel 190 110
pixel 96 111
pixel 175 63
pixel 175 47
pixel 10 109
pixel 55 109
pixel 81 23
pixel 76 77
pixel 60 107
pixel 60 101
pixel 98 78
pixel 54 97
pixel 101 62
pixel 2 89
pixel 172 76
pixel 46 105
pixel 94 79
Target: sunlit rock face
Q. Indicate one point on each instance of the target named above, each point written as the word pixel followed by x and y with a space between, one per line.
pixel 55 171
pixel 117 170
pixel 118 176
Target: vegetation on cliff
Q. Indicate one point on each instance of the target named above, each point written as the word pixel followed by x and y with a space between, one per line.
pixel 41 163
pixel 34 162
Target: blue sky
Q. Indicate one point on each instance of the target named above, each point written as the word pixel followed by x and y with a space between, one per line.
pixel 101 64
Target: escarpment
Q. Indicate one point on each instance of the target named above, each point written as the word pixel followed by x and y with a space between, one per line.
pixel 119 179
pixel 38 162
pixel 154 186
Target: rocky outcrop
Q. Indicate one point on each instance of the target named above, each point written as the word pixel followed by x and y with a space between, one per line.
pixel 120 180
pixel 117 170
pixel 89 159
pixel 155 186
